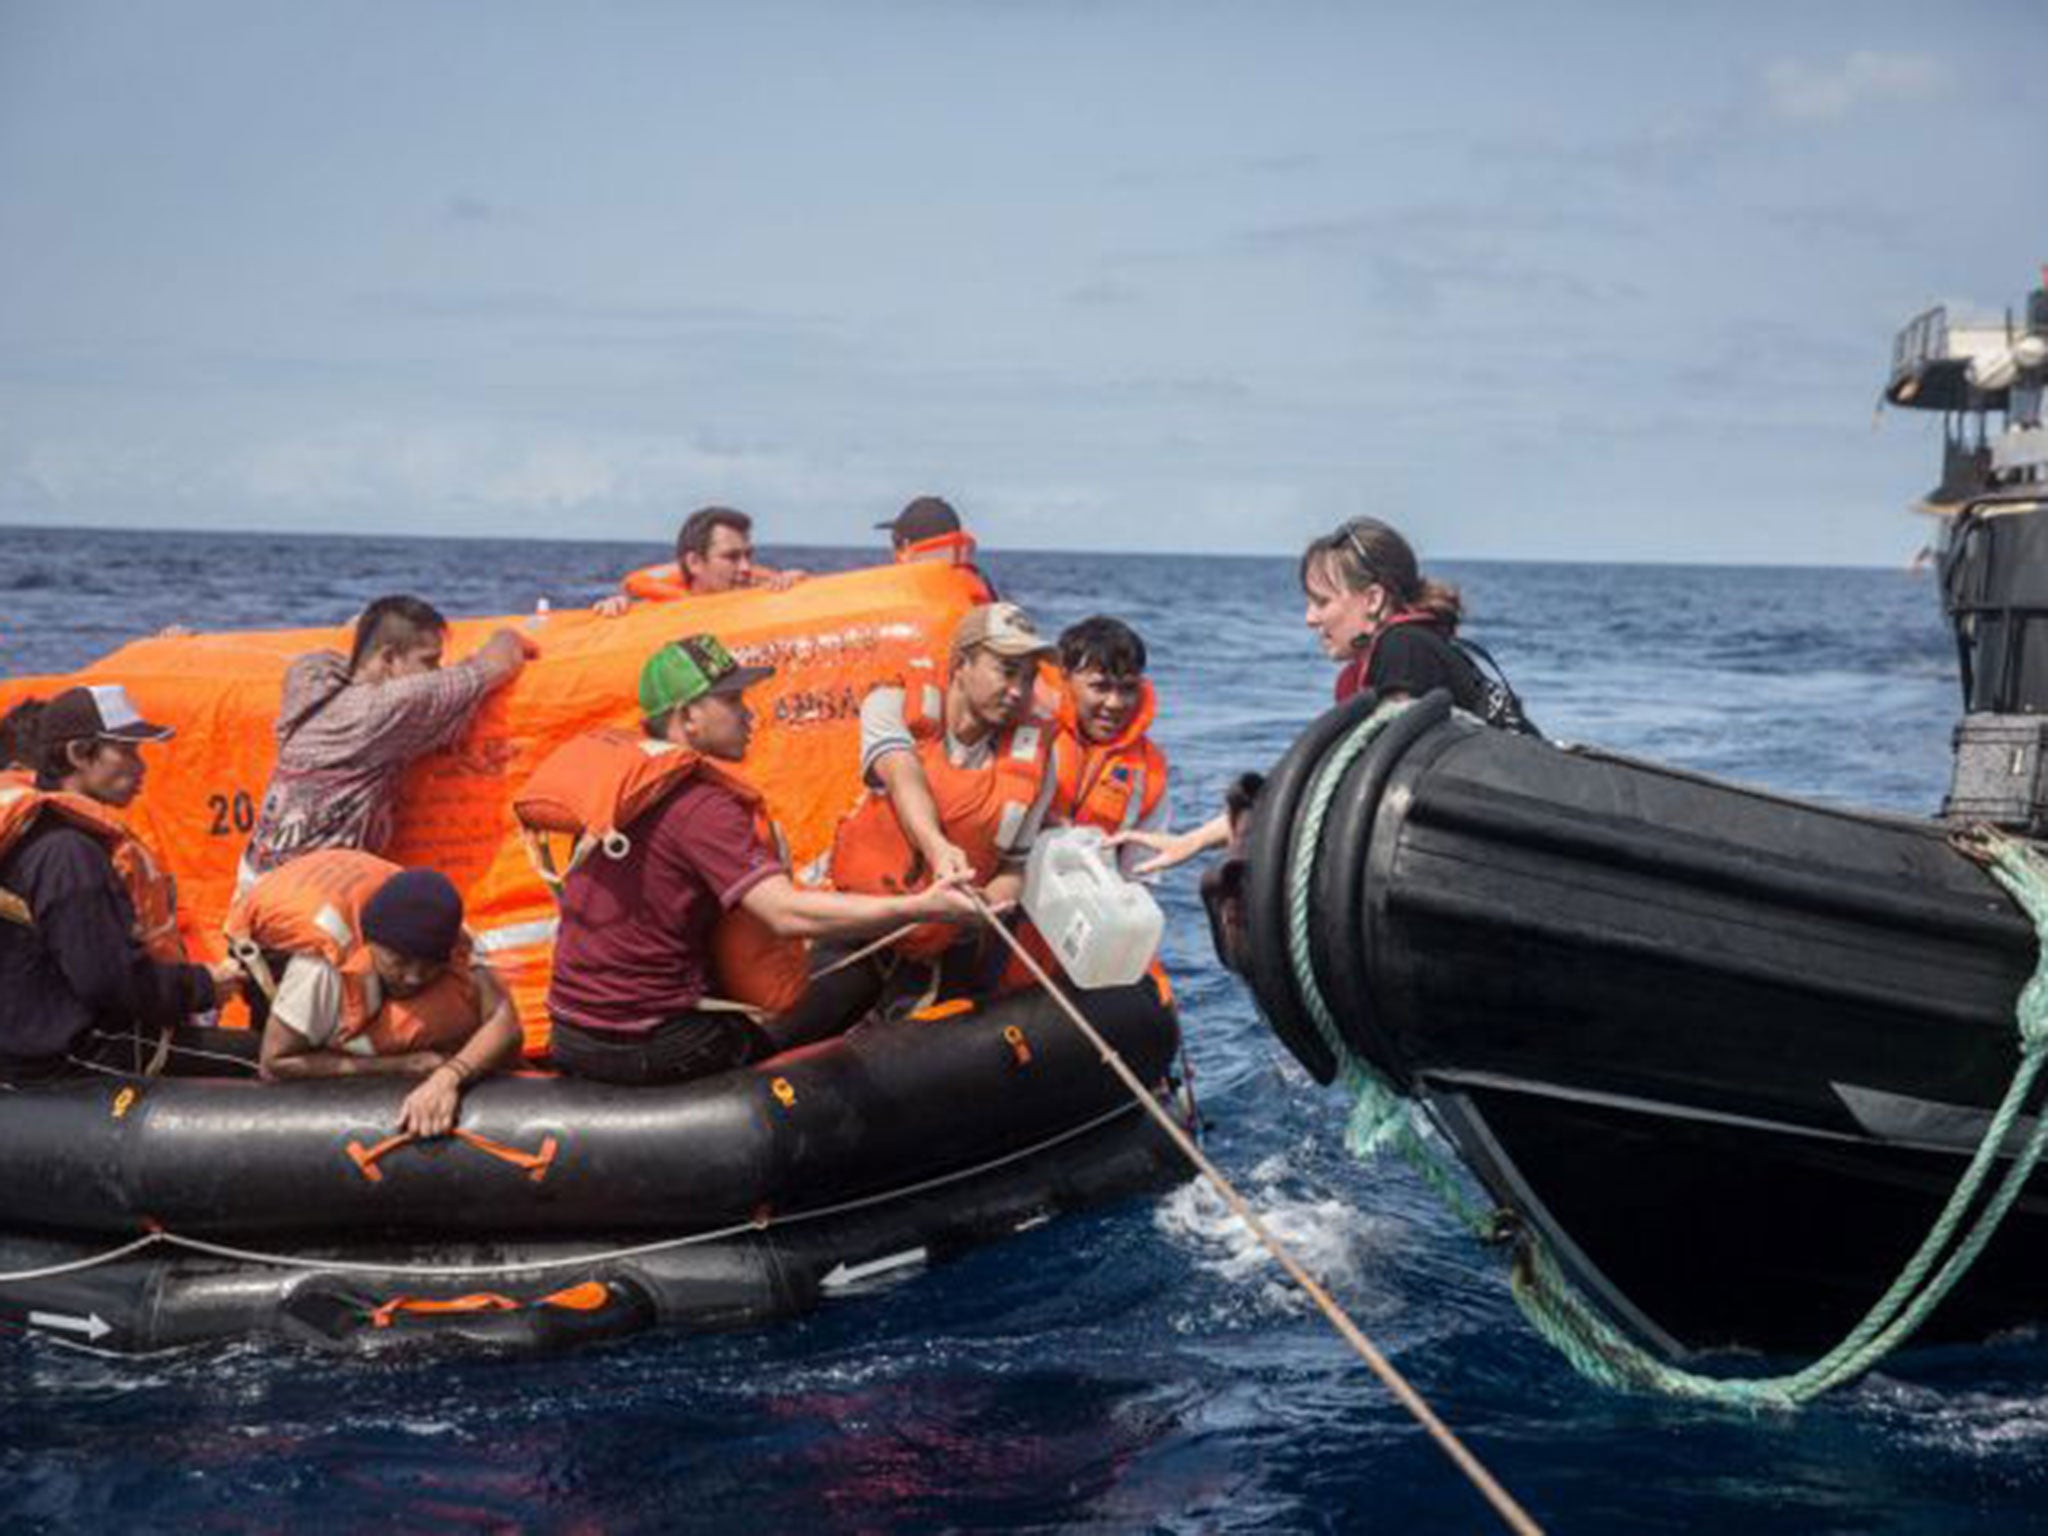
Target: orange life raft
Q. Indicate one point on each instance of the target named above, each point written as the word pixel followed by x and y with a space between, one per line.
pixel 829 638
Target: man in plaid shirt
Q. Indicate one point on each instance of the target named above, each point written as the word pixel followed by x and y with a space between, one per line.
pixel 348 727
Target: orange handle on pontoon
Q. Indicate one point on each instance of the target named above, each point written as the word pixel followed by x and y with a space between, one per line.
pixel 534 1164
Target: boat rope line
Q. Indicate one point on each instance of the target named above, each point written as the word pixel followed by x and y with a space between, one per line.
pixel 1558 1309
pixel 876 946
pixel 1380 1116
pixel 1504 1504
pixel 91 1261
pixel 163 1238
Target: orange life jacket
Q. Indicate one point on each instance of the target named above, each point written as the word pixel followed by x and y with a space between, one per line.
pixel 593 788
pixel 946 548
pixel 954 549
pixel 151 890
pixel 979 808
pixel 1113 785
pixel 656 583
pixel 314 906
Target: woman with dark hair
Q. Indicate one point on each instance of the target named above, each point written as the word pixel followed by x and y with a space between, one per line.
pixel 1387 626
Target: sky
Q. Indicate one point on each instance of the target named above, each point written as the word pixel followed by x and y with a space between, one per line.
pixel 1599 281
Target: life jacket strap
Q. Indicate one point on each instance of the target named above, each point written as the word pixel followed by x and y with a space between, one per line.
pixel 248 954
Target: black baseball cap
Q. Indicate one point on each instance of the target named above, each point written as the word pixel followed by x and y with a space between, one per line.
pixel 925 518
pixel 100 712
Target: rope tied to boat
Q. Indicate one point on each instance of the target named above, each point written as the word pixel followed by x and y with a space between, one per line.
pixel 1380 1116
pixel 1554 1306
pixel 157 1236
pixel 1601 1351
pixel 1504 1503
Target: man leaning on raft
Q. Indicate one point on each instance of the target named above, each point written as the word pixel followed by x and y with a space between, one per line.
pixel 349 726
pixel 367 971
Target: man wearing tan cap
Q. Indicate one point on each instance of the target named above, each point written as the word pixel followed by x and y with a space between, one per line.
pixel 959 767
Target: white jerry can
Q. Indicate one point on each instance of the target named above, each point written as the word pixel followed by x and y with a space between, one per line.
pixel 1104 929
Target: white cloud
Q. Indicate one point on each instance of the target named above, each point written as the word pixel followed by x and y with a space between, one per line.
pixel 403 472
pixel 1803 92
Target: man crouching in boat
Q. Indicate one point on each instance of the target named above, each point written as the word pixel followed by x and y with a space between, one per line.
pixel 92 972
pixel 643 927
pixel 960 775
pixel 378 980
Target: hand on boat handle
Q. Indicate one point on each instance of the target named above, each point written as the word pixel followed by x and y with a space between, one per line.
pixel 430 1109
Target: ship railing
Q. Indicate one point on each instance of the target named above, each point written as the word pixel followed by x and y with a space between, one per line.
pixel 1922 340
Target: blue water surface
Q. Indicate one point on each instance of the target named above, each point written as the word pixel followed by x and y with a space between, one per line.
pixel 1136 1369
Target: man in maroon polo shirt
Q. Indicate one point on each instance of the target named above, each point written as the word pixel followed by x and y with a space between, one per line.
pixel 632 955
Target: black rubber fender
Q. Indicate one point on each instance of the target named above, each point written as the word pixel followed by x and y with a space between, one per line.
pixel 1270 842
pixel 1338 941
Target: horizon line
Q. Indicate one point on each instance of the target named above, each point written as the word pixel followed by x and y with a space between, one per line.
pixel 1652 561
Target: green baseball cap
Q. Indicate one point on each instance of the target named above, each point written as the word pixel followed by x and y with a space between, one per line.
pixel 684 671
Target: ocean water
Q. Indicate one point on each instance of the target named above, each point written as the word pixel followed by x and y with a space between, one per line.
pixel 1135 1369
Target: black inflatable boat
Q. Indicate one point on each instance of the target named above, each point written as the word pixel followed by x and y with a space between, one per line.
pixel 143 1214
pixel 1726 1052
pixel 1721 1057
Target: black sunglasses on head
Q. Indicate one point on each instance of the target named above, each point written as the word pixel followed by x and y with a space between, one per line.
pixel 1358 548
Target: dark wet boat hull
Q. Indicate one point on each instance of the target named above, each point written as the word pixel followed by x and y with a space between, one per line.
pixel 1727 1052
pixel 710 1205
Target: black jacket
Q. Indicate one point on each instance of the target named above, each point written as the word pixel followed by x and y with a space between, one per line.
pixel 80 968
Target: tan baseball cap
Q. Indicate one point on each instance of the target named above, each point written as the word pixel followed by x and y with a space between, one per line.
pixel 1003 628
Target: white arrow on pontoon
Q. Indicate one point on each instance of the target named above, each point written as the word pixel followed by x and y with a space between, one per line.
pixel 94 1327
pixel 842 1275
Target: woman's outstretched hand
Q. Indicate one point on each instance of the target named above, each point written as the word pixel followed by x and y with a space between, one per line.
pixel 1169 849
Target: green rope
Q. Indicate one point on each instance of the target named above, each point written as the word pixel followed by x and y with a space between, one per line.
pixel 1594 1346
pixel 1380 1117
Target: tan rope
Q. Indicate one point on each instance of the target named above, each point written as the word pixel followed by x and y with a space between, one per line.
pixel 887 939
pixel 865 950
pixel 1504 1503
